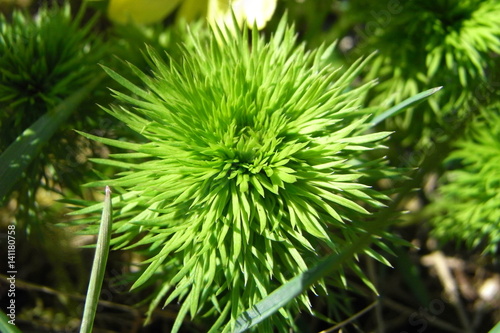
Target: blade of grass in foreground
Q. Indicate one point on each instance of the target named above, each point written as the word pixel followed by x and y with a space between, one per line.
pixel 495 329
pixel 403 105
pixel 18 156
pixel 99 265
pixel 5 327
pixel 281 296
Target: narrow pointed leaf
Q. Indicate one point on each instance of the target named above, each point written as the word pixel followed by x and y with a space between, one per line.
pixel 99 266
pixel 403 105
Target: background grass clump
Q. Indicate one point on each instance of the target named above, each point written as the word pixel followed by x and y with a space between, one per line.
pixel 43 61
pixel 467 204
pixel 429 43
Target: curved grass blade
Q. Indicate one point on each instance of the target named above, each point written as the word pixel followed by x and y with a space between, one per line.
pixel 300 283
pixel 403 105
pixel 18 156
pixel 99 266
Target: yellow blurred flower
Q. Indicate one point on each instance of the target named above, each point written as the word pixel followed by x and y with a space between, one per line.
pixel 140 11
pixel 257 12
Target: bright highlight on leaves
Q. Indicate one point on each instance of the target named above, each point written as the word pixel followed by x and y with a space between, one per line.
pixel 253 170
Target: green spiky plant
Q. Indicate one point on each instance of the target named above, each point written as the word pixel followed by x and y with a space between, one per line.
pixel 467 206
pixel 252 170
pixel 424 44
pixel 44 60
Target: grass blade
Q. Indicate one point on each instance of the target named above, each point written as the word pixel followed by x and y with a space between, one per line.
pixel 18 156
pixel 495 329
pixel 5 327
pixel 300 283
pixel 403 105
pixel 99 265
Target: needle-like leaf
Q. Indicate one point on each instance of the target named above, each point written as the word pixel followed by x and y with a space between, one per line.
pixel 98 266
pixel 404 105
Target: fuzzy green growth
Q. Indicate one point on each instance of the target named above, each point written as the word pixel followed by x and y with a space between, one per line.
pixel 252 170
pixel 431 43
pixel 42 61
pixel 45 59
pixel 467 207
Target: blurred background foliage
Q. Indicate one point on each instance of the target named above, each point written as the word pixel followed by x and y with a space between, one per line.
pixel 449 146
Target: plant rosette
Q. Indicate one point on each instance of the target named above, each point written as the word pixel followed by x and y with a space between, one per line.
pixel 253 167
